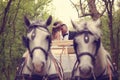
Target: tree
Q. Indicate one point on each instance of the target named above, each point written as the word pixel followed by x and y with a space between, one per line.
pixel 88 8
pixel 116 31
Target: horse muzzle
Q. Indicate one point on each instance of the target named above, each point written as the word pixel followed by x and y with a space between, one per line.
pixel 39 67
pixel 85 72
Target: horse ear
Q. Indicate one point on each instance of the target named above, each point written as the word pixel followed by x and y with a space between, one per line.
pixel 26 20
pixel 49 20
pixel 74 25
pixel 25 41
pixel 98 23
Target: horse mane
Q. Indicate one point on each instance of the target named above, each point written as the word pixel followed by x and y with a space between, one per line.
pixel 103 51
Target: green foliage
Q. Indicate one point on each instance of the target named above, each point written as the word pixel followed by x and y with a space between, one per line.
pixel 11 47
pixel 105 33
pixel 116 33
pixel 116 25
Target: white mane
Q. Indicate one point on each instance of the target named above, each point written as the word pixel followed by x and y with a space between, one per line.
pixel 38 22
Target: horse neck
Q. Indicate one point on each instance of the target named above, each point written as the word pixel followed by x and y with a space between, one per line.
pixel 101 61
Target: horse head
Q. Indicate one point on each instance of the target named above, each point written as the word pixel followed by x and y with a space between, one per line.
pixel 37 41
pixel 86 45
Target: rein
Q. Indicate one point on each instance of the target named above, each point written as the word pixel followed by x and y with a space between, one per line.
pixel 58 67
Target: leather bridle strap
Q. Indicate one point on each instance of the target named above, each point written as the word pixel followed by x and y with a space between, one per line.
pixel 109 71
pixel 44 51
pixel 74 69
pixel 58 67
pixel 85 53
pixel 97 46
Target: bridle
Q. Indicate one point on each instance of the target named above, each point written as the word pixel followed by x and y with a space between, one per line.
pixel 26 40
pixel 79 55
pixel 86 39
pixel 46 52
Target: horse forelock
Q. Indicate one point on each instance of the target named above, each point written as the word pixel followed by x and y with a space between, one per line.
pixel 38 22
pixel 90 26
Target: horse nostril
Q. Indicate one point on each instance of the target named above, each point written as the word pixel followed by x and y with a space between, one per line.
pixel 42 64
pixel 87 70
pixel 38 67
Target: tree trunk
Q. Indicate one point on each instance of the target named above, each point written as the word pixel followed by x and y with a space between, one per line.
pixel 117 45
pixel 93 10
pixel 4 20
pixel 109 7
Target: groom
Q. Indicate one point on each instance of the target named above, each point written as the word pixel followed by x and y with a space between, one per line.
pixel 67 35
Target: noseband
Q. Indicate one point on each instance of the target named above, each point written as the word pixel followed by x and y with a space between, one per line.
pixel 86 39
pixel 40 48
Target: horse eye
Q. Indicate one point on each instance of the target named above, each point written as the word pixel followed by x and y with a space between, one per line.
pixel 95 41
pixel 48 37
pixel 29 30
pixel 33 36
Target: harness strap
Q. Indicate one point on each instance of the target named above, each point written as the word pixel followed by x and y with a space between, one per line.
pixel 85 53
pixel 74 69
pixel 109 71
pixel 53 77
pixel 20 69
pixel 63 49
pixel 57 67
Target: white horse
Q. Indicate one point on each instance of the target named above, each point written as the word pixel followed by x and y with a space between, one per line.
pixel 93 61
pixel 40 63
